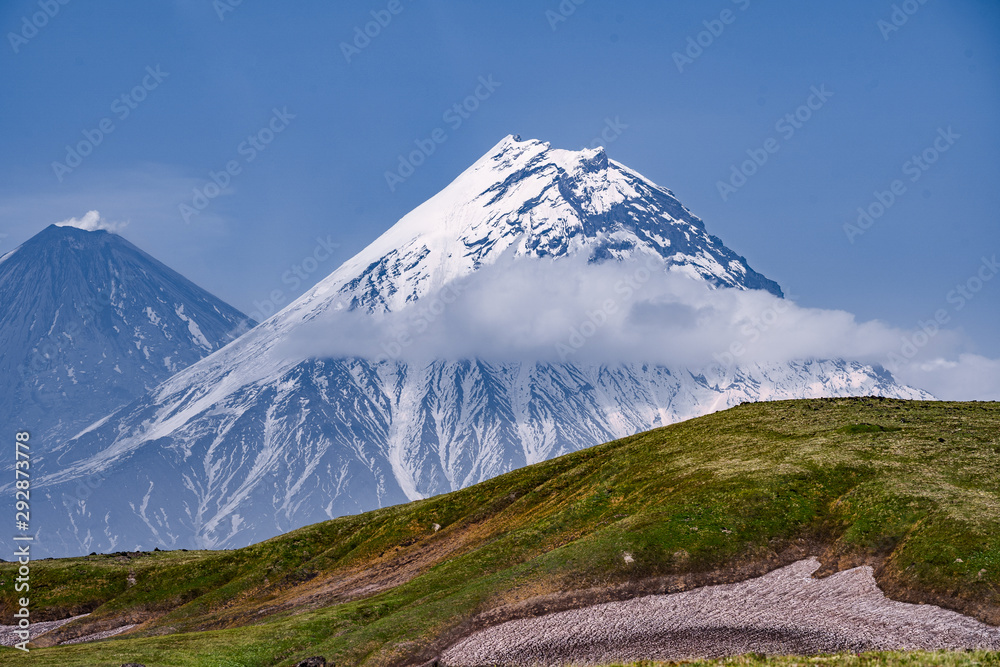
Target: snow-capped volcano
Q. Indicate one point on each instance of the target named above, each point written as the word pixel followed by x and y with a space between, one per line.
pixel 89 323
pixel 253 441
pixel 531 200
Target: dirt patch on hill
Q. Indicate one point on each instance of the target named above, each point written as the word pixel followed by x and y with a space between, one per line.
pixel 832 558
pixel 787 611
pixel 9 638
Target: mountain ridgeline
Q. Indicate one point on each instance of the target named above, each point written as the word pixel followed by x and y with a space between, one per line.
pixel 253 441
pixel 90 323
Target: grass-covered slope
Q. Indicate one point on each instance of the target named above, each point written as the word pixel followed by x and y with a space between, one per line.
pixel 912 488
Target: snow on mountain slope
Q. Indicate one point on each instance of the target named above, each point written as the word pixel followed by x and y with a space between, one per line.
pixel 326 438
pixel 253 441
pixel 535 201
pixel 90 323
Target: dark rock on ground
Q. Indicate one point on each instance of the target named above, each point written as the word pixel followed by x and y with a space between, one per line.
pixel 313 662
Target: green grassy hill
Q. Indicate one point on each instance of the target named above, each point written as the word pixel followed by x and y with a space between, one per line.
pixel 912 488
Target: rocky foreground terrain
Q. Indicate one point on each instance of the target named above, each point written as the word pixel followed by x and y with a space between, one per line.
pixel 784 612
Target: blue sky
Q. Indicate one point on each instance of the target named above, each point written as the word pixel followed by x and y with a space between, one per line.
pixel 200 78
